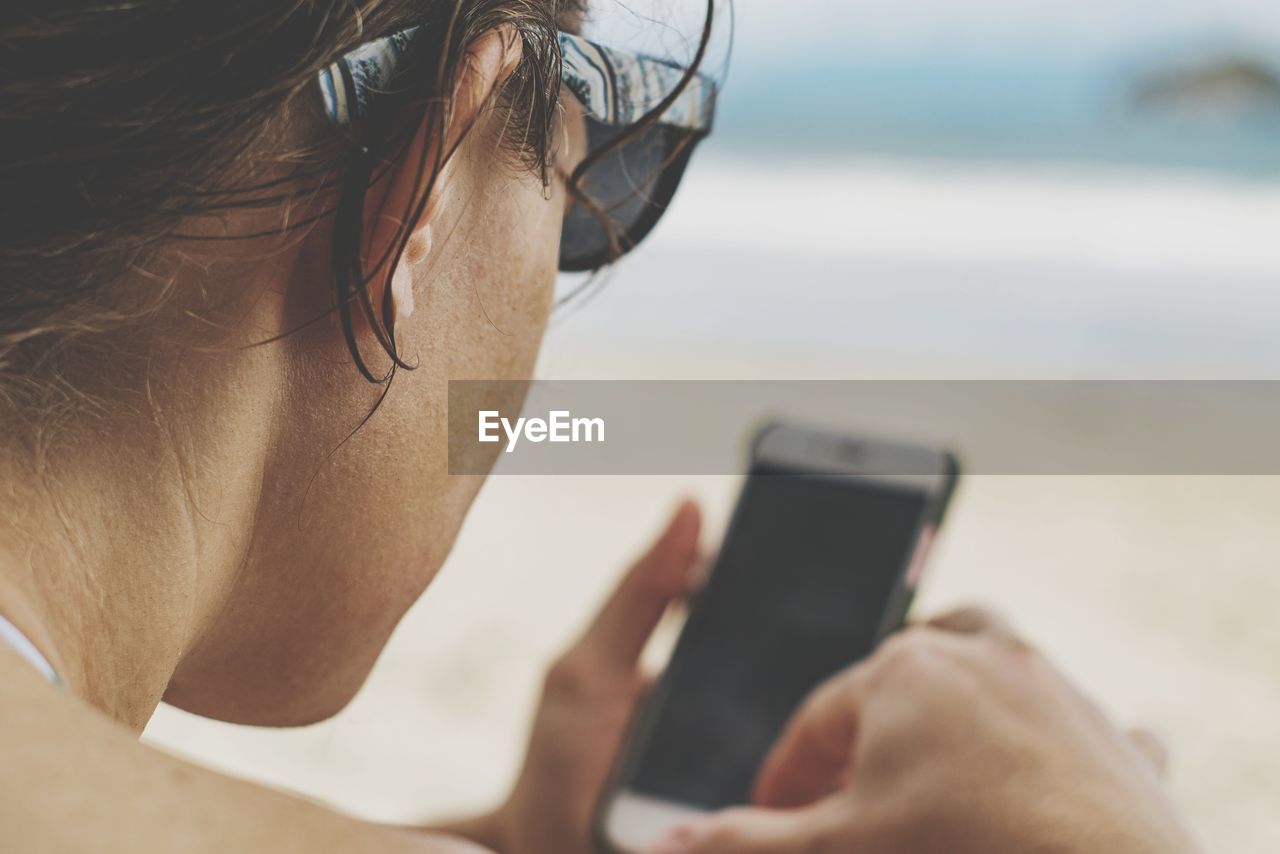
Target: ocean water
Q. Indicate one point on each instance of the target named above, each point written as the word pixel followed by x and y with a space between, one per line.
pixel 1063 109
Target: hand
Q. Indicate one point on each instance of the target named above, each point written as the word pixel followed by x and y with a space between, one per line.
pixel 588 699
pixel 953 737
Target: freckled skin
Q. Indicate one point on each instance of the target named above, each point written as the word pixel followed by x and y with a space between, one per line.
pixel 347 541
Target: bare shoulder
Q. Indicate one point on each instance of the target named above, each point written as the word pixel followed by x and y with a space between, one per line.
pixel 62 759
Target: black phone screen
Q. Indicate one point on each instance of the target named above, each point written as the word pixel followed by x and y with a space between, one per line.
pixel 798 593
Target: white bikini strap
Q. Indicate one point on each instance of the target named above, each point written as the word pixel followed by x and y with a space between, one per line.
pixel 10 635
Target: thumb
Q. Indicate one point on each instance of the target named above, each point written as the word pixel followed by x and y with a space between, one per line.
pixel 748 830
pixel 620 631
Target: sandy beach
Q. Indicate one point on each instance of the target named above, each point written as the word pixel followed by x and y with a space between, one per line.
pixel 1156 595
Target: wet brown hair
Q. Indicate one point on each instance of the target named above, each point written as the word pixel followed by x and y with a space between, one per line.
pixel 122 123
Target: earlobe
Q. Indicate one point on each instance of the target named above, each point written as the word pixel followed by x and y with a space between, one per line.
pixel 415 252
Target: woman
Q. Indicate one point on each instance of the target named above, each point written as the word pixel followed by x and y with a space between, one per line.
pixel 245 246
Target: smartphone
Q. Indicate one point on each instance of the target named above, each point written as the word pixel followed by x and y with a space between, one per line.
pixel 821 561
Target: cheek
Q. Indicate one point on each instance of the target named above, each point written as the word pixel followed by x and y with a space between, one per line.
pixel 482 309
pixel 515 259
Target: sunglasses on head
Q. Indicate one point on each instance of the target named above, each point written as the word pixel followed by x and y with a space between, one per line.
pixel 629 180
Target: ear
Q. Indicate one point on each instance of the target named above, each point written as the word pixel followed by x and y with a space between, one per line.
pixel 489 62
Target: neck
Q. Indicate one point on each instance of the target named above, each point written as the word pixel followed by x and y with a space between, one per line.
pixel 101 578
pixel 119 543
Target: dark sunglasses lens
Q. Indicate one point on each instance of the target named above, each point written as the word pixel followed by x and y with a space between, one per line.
pixel 627 192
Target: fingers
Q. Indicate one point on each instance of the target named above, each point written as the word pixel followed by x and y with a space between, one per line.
pixel 748 831
pixel 620 631
pixel 1152 748
pixel 970 619
pixel 701 572
pixel 979 621
pixel 811 758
